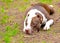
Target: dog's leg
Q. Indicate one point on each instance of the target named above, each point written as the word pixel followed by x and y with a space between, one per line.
pixel 48 24
pixel 51 9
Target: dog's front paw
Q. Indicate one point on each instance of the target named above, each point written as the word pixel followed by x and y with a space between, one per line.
pixel 46 27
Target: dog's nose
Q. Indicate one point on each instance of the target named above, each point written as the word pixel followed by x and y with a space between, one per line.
pixel 27 31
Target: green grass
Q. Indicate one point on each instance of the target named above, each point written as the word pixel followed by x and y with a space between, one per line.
pixel 46 1
pixel 10 32
pixel 43 41
pixel 4 19
pixel 25 4
pixel 7 1
pixel 7 39
pixel 22 8
pixel 26 1
pixel 49 31
pixel 2 10
pixel 21 41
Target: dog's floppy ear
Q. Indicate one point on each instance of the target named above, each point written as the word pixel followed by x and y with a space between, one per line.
pixel 39 16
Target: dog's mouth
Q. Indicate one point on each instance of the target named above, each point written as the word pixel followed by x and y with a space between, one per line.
pixel 29 32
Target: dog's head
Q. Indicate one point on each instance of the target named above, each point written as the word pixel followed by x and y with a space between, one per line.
pixel 36 21
pixel 33 20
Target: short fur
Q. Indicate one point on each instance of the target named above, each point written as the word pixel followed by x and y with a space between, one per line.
pixel 37 15
pixel 47 9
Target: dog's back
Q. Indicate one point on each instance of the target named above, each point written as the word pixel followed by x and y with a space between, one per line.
pixel 44 8
pixel 48 8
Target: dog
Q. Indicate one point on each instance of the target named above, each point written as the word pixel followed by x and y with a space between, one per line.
pixel 37 15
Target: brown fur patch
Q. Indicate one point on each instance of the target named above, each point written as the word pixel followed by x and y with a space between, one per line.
pixel 48 8
pixel 40 17
pixel 44 8
pixel 37 21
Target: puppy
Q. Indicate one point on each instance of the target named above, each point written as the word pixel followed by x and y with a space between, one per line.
pixel 37 15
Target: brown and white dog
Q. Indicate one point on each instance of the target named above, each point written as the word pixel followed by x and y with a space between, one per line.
pixel 37 15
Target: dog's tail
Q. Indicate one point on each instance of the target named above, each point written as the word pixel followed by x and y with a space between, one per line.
pixel 51 9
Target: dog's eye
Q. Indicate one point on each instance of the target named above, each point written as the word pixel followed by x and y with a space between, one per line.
pixel 28 14
pixel 38 16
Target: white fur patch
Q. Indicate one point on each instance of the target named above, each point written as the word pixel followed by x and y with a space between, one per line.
pixel 31 15
pixel 48 24
pixel 51 6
